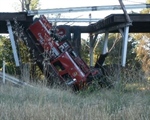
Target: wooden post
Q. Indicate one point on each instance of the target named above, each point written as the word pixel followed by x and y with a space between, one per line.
pixel 125 12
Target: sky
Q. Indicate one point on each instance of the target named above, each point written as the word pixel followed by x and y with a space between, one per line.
pixel 14 6
pixel 11 5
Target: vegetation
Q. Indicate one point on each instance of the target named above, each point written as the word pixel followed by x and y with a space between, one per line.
pixel 128 101
pixel 137 55
pixel 26 63
pixel 28 5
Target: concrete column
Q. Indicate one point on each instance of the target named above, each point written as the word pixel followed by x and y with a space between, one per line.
pixel 13 43
pixel 124 46
pixel 105 47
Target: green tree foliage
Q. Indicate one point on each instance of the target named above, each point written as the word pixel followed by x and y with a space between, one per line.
pixel 1 51
pixel 34 4
pixel 143 47
pixel 25 55
pixel 7 55
pixel 146 10
pixel 29 5
pixel 115 50
pixel 23 52
pixel 85 50
pixel 143 50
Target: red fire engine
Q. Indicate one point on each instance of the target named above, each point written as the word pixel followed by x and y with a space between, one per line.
pixel 70 68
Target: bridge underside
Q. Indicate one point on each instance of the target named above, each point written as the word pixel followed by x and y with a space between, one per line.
pixel 114 23
pixel 21 17
pixel 140 23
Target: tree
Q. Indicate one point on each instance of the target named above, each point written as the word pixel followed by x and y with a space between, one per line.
pixel 27 5
pixel 143 46
pixel 146 10
pixel 7 55
pixel 143 50
pixel 115 48
pixel 85 50
pixel 22 49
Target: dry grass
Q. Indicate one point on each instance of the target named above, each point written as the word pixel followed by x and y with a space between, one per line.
pixel 41 103
pixel 128 100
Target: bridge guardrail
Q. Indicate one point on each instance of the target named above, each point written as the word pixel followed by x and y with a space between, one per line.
pixel 14 80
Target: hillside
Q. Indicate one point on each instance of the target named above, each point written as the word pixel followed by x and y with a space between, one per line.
pixel 40 103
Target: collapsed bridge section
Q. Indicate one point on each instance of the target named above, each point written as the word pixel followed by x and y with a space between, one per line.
pixel 111 24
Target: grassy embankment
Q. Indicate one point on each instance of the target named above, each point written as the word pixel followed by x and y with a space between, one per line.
pixel 130 102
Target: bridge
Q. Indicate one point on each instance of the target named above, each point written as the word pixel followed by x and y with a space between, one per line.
pixel 113 23
pixel 140 23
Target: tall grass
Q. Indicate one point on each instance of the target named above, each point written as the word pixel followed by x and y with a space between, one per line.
pixel 128 102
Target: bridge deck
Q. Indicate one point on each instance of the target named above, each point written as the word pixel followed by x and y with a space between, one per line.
pixel 21 17
pixel 140 22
